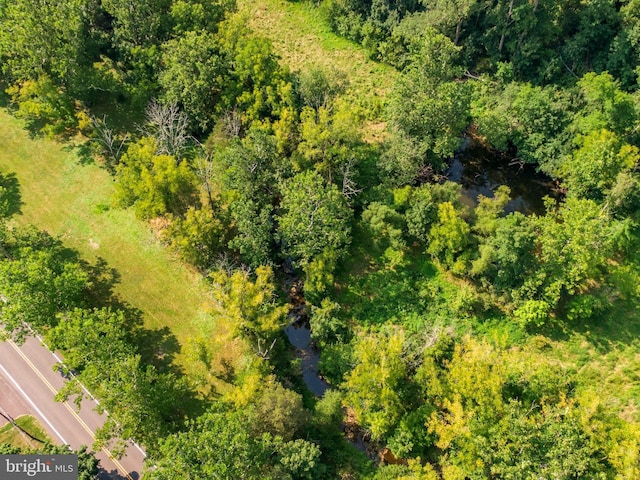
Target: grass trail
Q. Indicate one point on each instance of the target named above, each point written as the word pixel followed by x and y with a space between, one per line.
pixel 71 201
pixel 302 38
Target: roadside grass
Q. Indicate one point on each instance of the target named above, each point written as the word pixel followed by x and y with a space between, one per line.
pixel 16 438
pixel 302 38
pixel 69 197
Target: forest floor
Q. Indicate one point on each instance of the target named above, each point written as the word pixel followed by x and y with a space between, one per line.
pixel 65 193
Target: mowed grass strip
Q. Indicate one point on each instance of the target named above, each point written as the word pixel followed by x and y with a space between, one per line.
pixel 17 438
pixel 71 201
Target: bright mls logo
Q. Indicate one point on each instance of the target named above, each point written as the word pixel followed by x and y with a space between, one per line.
pixel 39 467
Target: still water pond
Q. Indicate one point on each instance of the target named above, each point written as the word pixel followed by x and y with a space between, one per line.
pixel 479 171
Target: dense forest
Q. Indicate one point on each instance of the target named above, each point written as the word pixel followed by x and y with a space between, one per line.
pixel 457 339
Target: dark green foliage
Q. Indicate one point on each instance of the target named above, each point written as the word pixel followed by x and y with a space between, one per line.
pixel 37 281
pixel 220 445
pixel 318 88
pixel 143 403
pixel 429 110
pixel 88 464
pixel 279 412
pixel 315 217
pixel 193 75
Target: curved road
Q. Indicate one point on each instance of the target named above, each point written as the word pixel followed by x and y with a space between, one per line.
pixel 29 383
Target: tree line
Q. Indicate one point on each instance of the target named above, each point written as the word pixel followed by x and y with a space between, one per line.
pixel 254 168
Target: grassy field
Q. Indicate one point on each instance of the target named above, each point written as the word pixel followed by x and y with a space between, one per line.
pixel 70 198
pixel 13 436
pixel 302 38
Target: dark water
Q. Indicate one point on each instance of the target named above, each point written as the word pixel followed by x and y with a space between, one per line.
pixel 479 172
pixel 299 335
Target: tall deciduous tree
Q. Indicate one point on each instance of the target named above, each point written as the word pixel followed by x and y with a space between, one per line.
pixel 45 38
pixel 249 306
pixel 193 75
pixel 315 217
pixel 429 110
pixel 154 184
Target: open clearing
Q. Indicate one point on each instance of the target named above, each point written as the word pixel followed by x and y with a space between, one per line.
pixel 70 198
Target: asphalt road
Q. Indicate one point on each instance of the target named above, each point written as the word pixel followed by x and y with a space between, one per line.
pixel 29 383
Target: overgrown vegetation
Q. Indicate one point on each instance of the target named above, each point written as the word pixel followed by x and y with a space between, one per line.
pixel 465 341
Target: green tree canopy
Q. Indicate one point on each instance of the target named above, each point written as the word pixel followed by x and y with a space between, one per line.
pixel 315 217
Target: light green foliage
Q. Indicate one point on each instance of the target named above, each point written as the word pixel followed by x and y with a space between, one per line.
pixel 624 196
pixel 575 242
pixel 318 275
pixel 593 169
pixel 301 459
pixel 199 14
pixel 386 227
pixel 216 445
pixel 423 203
pixel 326 325
pixel 489 209
pixel 154 184
pixel 500 414
pixel 315 217
pixel 606 106
pixel 328 141
pixel 43 38
pixel 44 106
pixel 374 385
pixel 220 445
pixel 91 338
pixel 449 238
pixel 257 86
pixel 193 76
pixel 198 237
pixel 248 306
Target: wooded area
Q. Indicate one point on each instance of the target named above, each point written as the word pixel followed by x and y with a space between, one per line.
pixel 460 339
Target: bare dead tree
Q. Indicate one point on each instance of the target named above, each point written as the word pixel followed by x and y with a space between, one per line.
pixel 231 123
pixel 264 351
pixel 349 186
pixel 169 126
pixel 205 171
pixel 111 142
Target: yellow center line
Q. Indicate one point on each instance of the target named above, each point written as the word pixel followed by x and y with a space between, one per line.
pixel 68 407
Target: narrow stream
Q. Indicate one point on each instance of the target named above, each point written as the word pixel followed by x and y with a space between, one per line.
pixel 299 335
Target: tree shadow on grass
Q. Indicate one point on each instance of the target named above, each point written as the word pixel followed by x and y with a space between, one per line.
pixel 618 324
pixel 83 151
pixel 10 196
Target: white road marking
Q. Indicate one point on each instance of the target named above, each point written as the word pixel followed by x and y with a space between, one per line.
pixel 33 405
